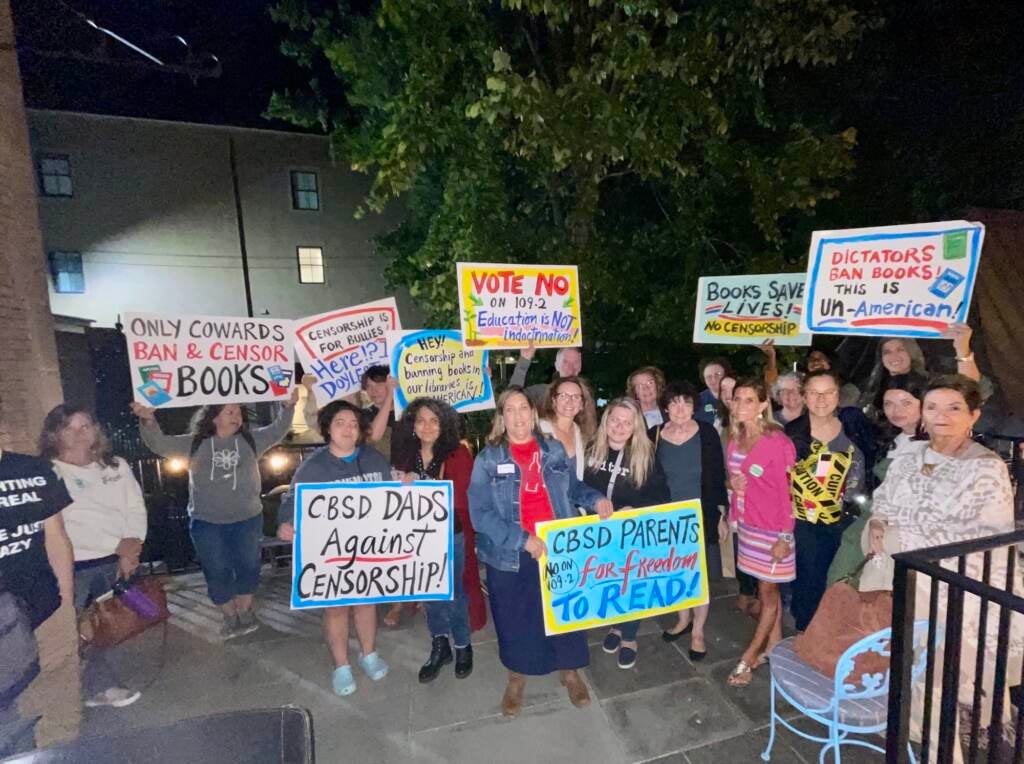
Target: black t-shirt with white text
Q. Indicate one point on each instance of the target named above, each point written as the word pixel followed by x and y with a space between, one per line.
pixel 30 492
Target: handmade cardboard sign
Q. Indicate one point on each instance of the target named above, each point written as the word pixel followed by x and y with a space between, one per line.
pixel 739 310
pixel 432 363
pixel 361 543
pixel 192 360
pixel 637 564
pixel 338 346
pixel 510 306
pixel 894 281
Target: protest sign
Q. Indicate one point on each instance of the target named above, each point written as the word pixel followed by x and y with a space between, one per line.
pixel 509 306
pixel 191 360
pixel 362 543
pixel 432 363
pixel 637 564
pixel 894 281
pixel 338 346
pixel 738 310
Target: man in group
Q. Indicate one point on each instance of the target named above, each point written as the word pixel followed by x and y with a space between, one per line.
pixel 568 363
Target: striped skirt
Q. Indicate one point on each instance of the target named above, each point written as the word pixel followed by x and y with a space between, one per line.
pixel 754 556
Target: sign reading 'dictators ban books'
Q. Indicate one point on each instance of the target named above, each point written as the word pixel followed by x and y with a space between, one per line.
pixel 745 309
pixel 338 346
pixel 363 543
pixel 432 363
pixel 638 563
pixel 896 281
pixel 193 360
pixel 510 306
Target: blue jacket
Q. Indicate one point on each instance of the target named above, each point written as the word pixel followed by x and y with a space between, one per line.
pixel 494 499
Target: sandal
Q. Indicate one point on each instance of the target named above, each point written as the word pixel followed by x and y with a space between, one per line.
pixel 393 616
pixel 741 676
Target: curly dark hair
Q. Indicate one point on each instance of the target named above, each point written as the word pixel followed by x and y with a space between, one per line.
pixel 57 421
pixel 202 427
pixel 326 415
pixel 405 444
pixel 677 389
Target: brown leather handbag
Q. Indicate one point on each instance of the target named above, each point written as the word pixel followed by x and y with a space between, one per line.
pixel 844 617
pixel 109 621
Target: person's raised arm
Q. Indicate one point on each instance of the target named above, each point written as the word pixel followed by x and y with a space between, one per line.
pixel 265 437
pixel 518 378
pixel 155 439
pixel 771 368
pixel 965 364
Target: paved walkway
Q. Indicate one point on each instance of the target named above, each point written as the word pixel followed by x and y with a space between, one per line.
pixel 666 708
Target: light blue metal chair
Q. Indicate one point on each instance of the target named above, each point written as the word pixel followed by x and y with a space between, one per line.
pixel 845 705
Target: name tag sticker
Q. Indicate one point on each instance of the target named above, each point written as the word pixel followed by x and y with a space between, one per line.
pixel 756 470
pixel 506 469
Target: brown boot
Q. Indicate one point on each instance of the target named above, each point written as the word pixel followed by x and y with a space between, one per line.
pixel 578 694
pixel 512 700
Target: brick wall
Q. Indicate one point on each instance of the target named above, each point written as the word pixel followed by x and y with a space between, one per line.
pixel 29 376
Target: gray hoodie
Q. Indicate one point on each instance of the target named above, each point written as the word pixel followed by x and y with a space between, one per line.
pixel 366 466
pixel 224 473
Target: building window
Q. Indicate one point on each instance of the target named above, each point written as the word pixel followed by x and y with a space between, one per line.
pixel 66 270
pixel 54 175
pixel 305 192
pixel 311 265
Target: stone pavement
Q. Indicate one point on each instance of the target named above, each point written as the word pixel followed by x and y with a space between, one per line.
pixel 665 709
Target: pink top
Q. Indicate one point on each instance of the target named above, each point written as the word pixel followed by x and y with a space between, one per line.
pixel 766 503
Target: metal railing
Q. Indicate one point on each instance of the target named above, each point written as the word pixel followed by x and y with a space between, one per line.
pixel 998 554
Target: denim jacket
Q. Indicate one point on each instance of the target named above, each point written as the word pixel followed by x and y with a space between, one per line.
pixel 494 500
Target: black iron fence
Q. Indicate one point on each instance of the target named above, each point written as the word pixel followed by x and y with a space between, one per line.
pixel 980 574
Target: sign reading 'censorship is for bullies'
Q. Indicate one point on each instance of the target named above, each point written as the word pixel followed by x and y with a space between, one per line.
pixel 744 309
pixel 510 306
pixel 638 563
pixel 432 363
pixel 338 346
pixel 897 281
pixel 191 360
pixel 361 543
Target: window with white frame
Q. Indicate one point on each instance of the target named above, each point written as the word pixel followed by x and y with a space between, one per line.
pixel 67 273
pixel 54 174
pixel 311 265
pixel 305 190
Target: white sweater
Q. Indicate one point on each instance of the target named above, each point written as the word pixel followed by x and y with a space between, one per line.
pixel 108 507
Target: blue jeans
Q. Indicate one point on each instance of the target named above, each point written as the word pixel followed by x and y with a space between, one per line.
pixel 230 556
pixel 90 584
pixel 452 617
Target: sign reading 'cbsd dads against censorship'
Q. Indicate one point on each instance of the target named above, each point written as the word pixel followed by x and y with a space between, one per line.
pixel 191 360
pixel 744 309
pixel 338 346
pixel 510 306
pixel 432 363
pixel 897 281
pixel 361 543
pixel 638 563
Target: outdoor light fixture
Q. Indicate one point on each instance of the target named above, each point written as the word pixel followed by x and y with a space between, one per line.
pixel 176 465
pixel 278 462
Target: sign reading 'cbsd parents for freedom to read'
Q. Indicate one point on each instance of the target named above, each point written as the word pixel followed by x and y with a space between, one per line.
pixel 338 346
pixel 432 363
pixel 192 360
pixel 361 543
pixel 638 563
pixel 744 309
pixel 897 281
pixel 510 306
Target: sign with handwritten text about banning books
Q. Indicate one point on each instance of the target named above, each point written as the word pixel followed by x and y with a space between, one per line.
pixel 432 363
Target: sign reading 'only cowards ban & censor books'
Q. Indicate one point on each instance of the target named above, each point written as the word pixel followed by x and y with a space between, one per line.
pixel 894 281
pixel 363 543
pixel 510 306
pixel 192 360
pixel 744 309
pixel 637 564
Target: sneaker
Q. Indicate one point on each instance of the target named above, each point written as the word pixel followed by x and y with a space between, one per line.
pixel 611 642
pixel 342 680
pixel 374 666
pixel 229 628
pixel 247 622
pixel 627 657
pixel 117 697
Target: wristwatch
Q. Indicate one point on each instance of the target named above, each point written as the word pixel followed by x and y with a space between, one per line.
pixel 787 537
pixel 966 359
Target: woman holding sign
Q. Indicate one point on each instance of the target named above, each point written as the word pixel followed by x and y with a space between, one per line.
pixel 224 498
pixel 426 446
pixel 520 479
pixel 347 458
pixel 621 465
pixel 758 458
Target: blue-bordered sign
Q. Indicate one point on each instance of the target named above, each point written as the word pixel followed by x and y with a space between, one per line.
pixel 365 543
pixel 432 363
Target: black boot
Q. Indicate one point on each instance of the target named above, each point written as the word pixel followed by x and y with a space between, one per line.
pixel 463 661
pixel 440 655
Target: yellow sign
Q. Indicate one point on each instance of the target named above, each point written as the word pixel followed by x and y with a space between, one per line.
pixel 432 363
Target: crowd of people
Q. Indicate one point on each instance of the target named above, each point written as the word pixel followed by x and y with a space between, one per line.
pixel 800 476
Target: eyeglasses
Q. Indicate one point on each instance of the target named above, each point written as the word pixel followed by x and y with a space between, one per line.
pixel 825 394
pixel 569 397
pixel 644 384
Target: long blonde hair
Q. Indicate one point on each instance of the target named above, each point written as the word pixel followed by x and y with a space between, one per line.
pixel 765 422
pixel 638 448
pixel 497 435
pixel 586 419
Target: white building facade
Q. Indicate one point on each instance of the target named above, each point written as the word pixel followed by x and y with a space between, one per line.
pixel 147 215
